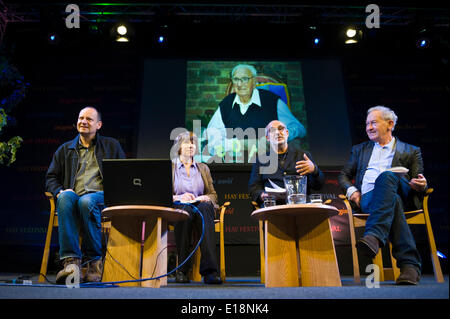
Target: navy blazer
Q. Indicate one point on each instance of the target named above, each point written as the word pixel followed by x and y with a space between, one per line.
pixel 406 155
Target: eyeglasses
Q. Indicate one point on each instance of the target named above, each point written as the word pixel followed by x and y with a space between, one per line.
pixel 280 128
pixel 242 80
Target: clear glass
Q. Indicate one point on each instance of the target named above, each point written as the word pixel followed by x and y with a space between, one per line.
pixel 295 189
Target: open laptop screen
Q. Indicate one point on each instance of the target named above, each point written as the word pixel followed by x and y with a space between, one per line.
pixel 137 182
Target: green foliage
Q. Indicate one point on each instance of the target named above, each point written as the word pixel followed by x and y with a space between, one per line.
pixel 8 150
pixel 12 91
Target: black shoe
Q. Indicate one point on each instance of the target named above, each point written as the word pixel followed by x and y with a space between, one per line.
pixel 368 245
pixel 181 278
pixel 212 279
pixel 408 276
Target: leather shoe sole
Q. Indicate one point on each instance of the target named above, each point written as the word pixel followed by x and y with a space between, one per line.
pixel 408 276
pixel 368 246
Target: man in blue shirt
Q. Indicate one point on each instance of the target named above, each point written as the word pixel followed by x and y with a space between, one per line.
pixel 384 194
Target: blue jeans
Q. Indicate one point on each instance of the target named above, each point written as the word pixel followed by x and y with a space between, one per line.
pixel 80 215
pixel 386 220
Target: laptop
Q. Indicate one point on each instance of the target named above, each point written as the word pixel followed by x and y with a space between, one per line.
pixel 137 182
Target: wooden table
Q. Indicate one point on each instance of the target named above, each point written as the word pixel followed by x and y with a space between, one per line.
pixel 137 243
pixel 299 248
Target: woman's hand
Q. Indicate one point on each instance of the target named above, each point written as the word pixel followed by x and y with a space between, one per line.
pixel 203 198
pixel 186 197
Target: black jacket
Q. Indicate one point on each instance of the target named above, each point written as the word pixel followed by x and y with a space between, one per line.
pixel 406 155
pixel 258 181
pixel 63 168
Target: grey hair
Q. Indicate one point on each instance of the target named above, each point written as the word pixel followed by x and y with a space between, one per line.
pixel 185 137
pixel 251 68
pixel 386 113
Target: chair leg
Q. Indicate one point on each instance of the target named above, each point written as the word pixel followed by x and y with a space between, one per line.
pixel 194 274
pixel 45 256
pixel 433 250
pixel 351 226
pixel 378 260
pixel 222 253
pixel 393 272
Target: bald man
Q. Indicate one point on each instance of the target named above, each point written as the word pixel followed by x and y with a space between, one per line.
pixel 291 161
pixel 75 178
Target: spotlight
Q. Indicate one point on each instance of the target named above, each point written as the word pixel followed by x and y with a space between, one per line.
pixel 350 32
pixel 352 35
pixel 53 38
pixel 423 43
pixel 122 30
pixel 160 39
pixel 316 41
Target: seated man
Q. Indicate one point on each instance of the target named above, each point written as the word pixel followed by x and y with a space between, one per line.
pixel 248 107
pixel 75 178
pixel 384 194
pixel 290 161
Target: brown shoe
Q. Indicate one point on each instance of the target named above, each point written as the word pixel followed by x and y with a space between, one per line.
pixel 368 245
pixel 408 276
pixel 94 271
pixel 70 265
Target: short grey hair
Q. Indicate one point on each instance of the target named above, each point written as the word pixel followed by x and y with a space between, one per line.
pixel 386 113
pixel 249 67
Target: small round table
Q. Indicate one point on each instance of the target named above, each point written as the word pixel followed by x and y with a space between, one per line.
pixel 299 248
pixel 137 243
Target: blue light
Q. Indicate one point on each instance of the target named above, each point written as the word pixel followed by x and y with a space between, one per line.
pixel 52 37
pixel 316 41
pixel 161 39
pixel 423 43
pixel 441 255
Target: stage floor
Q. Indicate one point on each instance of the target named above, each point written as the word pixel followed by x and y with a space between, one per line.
pixel 234 288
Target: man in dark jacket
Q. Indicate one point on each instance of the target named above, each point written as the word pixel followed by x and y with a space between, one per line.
pixel 75 178
pixel 289 160
pixel 383 194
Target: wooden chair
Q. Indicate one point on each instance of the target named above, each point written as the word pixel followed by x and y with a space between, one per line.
pixel 194 273
pixel 420 216
pixel 53 222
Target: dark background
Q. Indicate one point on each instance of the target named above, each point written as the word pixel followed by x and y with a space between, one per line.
pixel 86 67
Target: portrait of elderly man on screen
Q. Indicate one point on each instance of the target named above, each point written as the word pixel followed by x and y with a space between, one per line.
pixel 248 107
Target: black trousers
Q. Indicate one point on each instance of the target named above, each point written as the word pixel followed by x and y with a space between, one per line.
pixel 183 236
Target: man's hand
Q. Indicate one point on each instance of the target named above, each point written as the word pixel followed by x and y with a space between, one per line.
pixel 305 167
pixel 356 197
pixel 419 184
pixel 275 195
